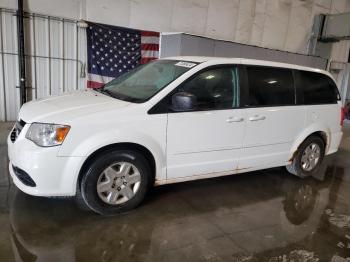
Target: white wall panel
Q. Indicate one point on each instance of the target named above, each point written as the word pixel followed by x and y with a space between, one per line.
pixel 9 25
pixel 245 21
pixel 56 50
pixel 225 27
pixel 321 7
pixel 190 16
pixel 258 28
pixel 340 51
pixel 60 8
pixel 2 70
pixel 298 34
pixel 81 55
pixel 55 59
pixel 71 50
pixel 114 12
pixel 159 14
pixel 278 24
pixel 340 6
pixel 42 64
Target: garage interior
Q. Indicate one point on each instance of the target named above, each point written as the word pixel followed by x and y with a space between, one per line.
pixel 265 215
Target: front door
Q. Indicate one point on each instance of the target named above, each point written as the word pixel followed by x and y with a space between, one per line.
pixel 209 138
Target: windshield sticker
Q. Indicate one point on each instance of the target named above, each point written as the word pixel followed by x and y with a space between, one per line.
pixel 185 64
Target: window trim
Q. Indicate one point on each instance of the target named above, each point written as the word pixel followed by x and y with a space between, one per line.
pixel 162 107
pixel 246 87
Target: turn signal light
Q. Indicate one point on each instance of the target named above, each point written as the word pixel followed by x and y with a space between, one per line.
pixel 61 133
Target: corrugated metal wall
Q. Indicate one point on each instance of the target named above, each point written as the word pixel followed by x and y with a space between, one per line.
pixel 55 58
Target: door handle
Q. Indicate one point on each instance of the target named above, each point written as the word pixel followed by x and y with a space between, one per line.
pixel 257 118
pixel 234 119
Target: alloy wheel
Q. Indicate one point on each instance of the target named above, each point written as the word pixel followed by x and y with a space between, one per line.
pixel 118 183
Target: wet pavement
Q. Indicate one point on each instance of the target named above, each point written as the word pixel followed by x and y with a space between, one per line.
pixel 261 216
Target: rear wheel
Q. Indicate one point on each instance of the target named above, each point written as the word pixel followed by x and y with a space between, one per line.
pixel 308 158
pixel 115 182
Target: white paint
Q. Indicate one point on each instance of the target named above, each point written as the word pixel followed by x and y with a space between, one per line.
pixel 185 146
pixel 277 130
pixel 195 147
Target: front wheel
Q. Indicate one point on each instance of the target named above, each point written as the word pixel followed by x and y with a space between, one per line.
pixel 115 182
pixel 308 158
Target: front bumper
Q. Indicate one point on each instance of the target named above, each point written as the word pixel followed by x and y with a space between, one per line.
pixel 53 175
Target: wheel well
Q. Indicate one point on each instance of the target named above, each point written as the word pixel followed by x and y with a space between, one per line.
pixel 319 134
pixel 120 146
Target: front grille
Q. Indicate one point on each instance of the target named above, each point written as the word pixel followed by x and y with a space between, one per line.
pixel 23 176
pixel 17 130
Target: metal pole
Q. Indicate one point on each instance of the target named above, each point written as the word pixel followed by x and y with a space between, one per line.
pixel 22 70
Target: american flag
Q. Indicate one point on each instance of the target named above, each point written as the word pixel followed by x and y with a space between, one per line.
pixel 113 51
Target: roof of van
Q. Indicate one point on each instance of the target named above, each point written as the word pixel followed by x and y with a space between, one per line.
pixel 202 59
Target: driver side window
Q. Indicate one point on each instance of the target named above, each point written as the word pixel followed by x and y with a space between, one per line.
pixel 214 89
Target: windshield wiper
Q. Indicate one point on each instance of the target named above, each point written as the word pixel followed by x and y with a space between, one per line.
pixel 118 96
pixel 99 90
pixel 105 92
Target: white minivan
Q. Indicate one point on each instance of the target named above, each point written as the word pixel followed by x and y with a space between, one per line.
pixel 174 120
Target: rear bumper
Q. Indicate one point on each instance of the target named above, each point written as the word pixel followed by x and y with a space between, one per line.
pixel 334 142
pixel 51 175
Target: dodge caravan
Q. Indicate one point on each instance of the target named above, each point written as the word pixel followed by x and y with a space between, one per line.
pixel 174 120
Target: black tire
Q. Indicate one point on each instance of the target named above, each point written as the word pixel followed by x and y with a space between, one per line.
pixel 88 184
pixel 79 200
pixel 296 168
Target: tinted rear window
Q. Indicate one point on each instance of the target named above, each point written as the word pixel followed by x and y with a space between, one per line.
pixel 269 86
pixel 316 88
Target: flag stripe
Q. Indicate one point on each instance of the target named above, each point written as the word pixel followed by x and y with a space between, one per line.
pixel 92 84
pixel 149 53
pixel 149 33
pixel 99 78
pixel 145 60
pixel 152 47
pixel 150 40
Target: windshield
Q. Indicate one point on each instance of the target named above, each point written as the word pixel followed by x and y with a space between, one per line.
pixel 142 83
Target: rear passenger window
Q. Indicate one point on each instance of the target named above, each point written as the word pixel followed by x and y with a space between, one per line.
pixel 315 88
pixel 270 86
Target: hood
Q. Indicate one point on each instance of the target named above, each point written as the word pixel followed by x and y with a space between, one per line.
pixel 56 109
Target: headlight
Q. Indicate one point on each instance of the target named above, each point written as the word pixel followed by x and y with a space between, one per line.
pixel 47 134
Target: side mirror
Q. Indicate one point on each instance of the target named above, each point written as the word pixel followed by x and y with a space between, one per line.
pixel 183 101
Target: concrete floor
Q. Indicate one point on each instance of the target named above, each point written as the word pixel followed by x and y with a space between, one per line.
pixel 261 216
